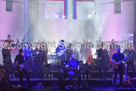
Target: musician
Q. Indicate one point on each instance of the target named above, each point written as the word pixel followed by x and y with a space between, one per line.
pixel 126 51
pixel 69 52
pixel 130 62
pixel 44 53
pixel 39 61
pixel 98 43
pixel 8 39
pixel 73 65
pixel 113 45
pixel 7 59
pixel 20 59
pixel 88 53
pixel 60 51
pixel 103 59
pixel 82 52
pixel 116 59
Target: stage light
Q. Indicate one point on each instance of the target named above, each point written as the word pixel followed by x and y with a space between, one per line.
pixel 89 16
pixel 63 16
pixel 130 35
pixel 56 16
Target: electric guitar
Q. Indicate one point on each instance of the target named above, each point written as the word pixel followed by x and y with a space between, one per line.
pixel 21 66
pixel 115 65
pixel 61 52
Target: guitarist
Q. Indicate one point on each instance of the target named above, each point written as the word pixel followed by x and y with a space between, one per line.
pixel 116 59
pixel 20 59
pixel 60 51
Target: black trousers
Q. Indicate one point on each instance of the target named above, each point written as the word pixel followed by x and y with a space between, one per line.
pixel 131 65
pixel 23 73
pixel 120 72
pixel 38 66
pixel 8 68
pixel 102 67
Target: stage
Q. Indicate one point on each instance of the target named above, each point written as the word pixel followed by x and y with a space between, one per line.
pixel 93 84
pixel 62 45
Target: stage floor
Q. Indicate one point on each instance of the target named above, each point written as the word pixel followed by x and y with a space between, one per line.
pixel 82 89
pixel 94 84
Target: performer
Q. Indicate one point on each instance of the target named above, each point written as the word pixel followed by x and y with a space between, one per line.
pixel 60 51
pixel 8 39
pixel 82 52
pixel 38 61
pixel 21 59
pixel 130 62
pixel 113 46
pixel 88 53
pixel 103 59
pixel 112 49
pixel 75 51
pixel 73 65
pixel 69 52
pixel 126 51
pixel 44 51
pixel 7 59
pixel 116 59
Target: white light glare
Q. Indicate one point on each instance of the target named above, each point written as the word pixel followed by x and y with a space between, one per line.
pixel 89 16
pixel 56 16
pixel 63 16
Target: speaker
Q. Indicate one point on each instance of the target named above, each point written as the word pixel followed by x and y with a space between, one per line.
pixel 117 6
pixel 9 5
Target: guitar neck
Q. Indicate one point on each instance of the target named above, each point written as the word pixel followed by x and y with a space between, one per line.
pixel 25 63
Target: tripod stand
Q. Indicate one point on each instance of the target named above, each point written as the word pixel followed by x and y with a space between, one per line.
pixel 84 83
